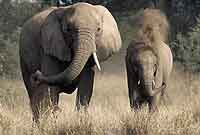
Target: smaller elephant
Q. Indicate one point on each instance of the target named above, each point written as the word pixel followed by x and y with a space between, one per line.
pixel 149 61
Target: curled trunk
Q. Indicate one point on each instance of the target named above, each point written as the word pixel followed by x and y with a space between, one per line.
pixel 84 46
pixel 150 86
pixel 151 90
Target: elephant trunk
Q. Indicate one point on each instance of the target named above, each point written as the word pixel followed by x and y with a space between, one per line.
pixel 147 81
pixel 149 86
pixel 84 46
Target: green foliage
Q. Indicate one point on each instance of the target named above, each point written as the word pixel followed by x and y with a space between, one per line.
pixel 187 49
pixel 9 54
pixel 12 17
pixel 183 15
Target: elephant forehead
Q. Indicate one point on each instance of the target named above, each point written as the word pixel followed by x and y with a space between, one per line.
pixel 84 13
pixel 147 57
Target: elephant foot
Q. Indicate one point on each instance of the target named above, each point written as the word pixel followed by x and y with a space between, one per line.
pixel 135 107
pixel 153 108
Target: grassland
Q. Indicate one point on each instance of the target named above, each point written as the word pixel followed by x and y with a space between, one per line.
pixel 109 112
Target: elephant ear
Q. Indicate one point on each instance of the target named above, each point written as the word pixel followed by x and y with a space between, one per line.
pixel 109 39
pixel 53 41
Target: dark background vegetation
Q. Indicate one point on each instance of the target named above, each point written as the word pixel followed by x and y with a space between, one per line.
pixel 182 14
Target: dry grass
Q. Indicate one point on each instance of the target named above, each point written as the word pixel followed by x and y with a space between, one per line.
pixel 109 112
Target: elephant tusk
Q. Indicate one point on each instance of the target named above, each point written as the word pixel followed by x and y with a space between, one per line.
pixel 96 61
pixel 138 82
pixel 154 84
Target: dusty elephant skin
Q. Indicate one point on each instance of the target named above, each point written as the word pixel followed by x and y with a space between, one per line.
pixel 58 50
pixel 149 60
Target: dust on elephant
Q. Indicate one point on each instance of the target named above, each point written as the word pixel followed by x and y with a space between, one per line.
pixel 149 60
pixel 59 48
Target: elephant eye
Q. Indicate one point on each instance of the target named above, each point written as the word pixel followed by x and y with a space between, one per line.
pixel 98 29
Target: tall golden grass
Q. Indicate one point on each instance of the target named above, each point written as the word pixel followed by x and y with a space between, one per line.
pixel 109 112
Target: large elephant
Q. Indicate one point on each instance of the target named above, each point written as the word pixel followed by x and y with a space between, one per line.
pixel 59 48
pixel 149 60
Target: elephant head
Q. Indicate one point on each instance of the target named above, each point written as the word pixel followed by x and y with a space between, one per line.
pixel 73 34
pixel 145 66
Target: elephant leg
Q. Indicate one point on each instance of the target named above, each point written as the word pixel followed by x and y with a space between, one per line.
pixel 152 102
pixel 136 105
pixel 85 88
pixel 41 102
pixel 137 102
pixel 45 98
pixel 131 96
pixel 132 90
pixel 26 74
pixel 51 66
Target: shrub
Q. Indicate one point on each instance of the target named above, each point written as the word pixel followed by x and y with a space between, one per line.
pixel 12 17
pixel 186 49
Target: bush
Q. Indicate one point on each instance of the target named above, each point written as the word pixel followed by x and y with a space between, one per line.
pixel 12 17
pixel 9 65
pixel 186 49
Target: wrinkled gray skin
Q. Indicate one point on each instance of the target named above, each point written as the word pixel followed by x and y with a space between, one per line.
pixel 147 74
pixel 58 43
